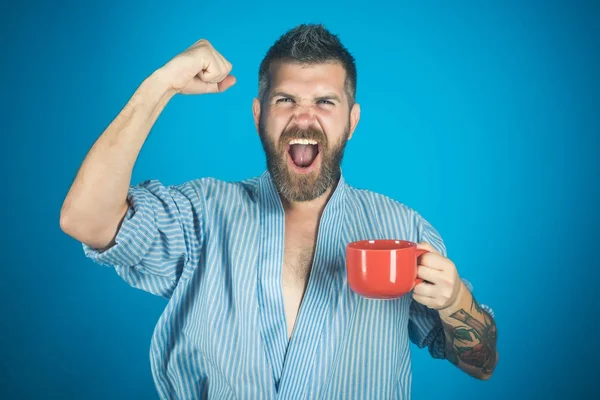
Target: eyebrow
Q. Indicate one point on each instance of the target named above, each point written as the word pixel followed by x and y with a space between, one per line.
pixel 327 96
pixel 330 96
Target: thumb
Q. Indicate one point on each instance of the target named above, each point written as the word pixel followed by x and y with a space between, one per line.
pixel 197 86
pixel 226 83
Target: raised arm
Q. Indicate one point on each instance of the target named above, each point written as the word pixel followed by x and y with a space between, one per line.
pixel 97 200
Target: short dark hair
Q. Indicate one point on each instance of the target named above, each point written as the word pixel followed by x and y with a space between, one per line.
pixel 308 44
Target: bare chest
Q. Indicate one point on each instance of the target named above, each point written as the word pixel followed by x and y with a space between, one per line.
pixel 298 256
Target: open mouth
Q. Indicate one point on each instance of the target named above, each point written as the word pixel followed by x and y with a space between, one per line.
pixel 303 153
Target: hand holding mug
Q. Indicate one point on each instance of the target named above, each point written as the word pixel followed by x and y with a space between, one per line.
pixel 389 269
pixel 441 283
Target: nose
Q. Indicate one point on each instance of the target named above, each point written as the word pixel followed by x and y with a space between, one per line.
pixel 304 115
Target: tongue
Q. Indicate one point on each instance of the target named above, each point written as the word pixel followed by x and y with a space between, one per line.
pixel 303 154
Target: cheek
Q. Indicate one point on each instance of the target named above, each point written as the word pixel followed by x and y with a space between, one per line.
pixel 271 128
pixel 275 122
pixel 335 128
pixel 279 116
pixel 333 117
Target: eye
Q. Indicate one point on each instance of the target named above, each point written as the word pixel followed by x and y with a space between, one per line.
pixel 327 102
pixel 284 100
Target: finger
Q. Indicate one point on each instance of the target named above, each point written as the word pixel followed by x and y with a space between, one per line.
pixel 197 86
pixel 223 64
pixel 424 289
pixel 211 88
pixel 426 301
pixel 434 261
pixel 429 274
pixel 226 64
pixel 226 83
pixel 213 73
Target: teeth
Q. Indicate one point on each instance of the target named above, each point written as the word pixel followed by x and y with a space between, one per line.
pixel 302 141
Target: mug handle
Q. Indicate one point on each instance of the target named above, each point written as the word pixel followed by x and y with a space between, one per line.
pixel 420 252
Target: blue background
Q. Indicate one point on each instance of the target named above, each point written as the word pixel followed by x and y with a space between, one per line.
pixel 482 116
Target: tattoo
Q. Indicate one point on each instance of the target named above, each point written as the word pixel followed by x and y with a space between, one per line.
pixel 450 352
pixel 473 343
pixel 476 306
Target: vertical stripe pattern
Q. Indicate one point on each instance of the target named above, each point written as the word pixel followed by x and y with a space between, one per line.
pixel 215 250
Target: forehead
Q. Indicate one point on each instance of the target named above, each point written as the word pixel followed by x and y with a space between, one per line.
pixel 308 77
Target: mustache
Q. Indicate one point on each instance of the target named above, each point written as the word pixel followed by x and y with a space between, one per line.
pixel 295 132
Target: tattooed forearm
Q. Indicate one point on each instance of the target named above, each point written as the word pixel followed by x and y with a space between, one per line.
pixel 471 339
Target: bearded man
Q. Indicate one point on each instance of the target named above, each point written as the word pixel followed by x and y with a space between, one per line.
pixel 259 303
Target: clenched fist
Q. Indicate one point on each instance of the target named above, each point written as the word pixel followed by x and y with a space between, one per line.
pixel 199 69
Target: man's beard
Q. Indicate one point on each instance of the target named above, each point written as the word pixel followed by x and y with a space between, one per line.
pixel 303 187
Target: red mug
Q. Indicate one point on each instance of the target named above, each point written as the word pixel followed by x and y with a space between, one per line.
pixel 382 269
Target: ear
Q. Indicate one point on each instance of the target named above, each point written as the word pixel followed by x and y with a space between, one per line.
pixel 354 118
pixel 256 112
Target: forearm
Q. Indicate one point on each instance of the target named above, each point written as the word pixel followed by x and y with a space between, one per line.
pixel 97 200
pixel 470 336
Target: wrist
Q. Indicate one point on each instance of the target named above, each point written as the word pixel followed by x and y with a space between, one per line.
pixel 158 83
pixel 459 302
